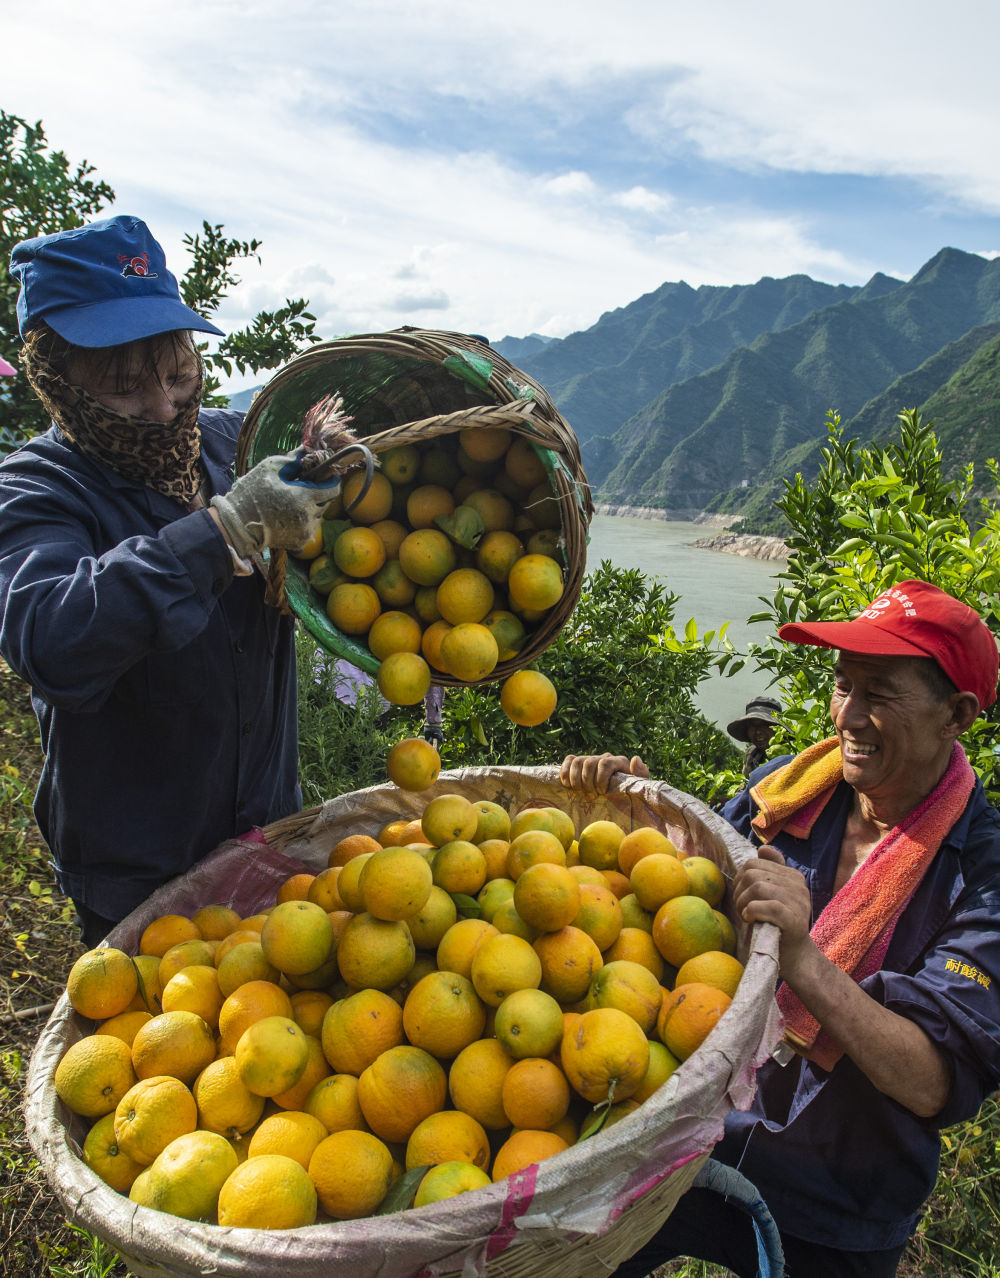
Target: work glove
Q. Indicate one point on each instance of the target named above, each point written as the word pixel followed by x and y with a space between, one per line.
pixel 273 506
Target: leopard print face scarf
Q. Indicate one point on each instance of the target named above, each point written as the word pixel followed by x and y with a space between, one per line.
pixel 164 456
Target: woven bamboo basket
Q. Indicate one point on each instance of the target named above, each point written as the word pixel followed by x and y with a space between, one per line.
pixel 411 386
pixel 579 1213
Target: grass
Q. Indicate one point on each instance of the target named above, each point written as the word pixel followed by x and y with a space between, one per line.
pixel 342 749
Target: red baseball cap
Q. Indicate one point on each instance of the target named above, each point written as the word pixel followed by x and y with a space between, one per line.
pixel 915 619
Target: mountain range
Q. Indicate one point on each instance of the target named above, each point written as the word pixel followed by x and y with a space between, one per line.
pixel 691 401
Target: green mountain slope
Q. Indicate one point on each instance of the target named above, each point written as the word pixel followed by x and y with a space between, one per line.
pixel 727 429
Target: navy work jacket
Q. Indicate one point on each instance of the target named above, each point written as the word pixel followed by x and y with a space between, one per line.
pixel 164 686
pixel 837 1162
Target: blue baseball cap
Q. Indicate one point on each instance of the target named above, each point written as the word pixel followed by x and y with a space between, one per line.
pixel 102 284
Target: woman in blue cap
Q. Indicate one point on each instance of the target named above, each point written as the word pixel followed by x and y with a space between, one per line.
pixel 164 686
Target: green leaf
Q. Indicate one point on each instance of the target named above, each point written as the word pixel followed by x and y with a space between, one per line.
pixel 400 1197
pixel 467 906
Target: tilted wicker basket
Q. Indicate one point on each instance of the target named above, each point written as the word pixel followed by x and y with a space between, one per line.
pixel 406 387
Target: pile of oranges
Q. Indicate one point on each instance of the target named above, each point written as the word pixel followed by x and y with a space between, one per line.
pixel 447 563
pixel 440 1007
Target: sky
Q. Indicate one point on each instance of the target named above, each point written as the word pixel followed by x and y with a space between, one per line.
pixel 524 167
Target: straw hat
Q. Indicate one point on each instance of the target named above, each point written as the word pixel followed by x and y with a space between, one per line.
pixel 759 710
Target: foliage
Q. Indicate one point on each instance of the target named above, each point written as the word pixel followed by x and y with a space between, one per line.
pixel 625 683
pixel 873 517
pixel 41 192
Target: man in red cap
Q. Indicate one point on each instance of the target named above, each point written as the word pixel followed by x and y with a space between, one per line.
pixel 879 862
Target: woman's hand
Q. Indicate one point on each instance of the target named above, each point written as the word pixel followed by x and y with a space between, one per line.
pixel 593 772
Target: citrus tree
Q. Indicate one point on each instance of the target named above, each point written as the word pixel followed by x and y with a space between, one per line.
pixel 873 517
pixel 41 192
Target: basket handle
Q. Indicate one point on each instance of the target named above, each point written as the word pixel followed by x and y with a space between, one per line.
pixel 514 416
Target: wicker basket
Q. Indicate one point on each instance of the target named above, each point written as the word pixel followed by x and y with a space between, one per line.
pixel 407 387
pixel 581 1212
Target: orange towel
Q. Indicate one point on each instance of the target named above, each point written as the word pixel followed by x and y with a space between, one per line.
pixel 855 928
pixel 792 797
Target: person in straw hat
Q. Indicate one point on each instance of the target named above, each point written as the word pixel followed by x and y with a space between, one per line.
pixel 164 687
pixel 756 728
pixel 879 862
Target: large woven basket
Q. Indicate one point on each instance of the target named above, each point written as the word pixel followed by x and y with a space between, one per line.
pixel 579 1213
pixel 410 386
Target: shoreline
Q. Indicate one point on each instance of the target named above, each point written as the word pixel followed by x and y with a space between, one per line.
pixel 745 545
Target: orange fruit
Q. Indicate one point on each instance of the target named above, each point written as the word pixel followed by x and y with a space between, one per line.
pixel 186 954
pixel 375 953
pixel 215 921
pixel 323 890
pixel 401 1087
pixel 464 595
pixel 637 946
pixel 359 552
pixel 485 443
pixel 639 843
pixel 225 1103
pixel 102 983
pixel 250 1002
pixel 374 505
pixel 448 1180
pixel 508 630
pixel 503 964
pixel 349 883
pixel 177 1043
pixel 448 1136
pixel 353 606
pixel 427 557
pixel 631 988
pixel 324 575
pixel 185 1179
pixel 529 1022
pixel 447 817
pixel 268 1191
pixel 351 846
pixel 352 1172
pixel 394 632
pixel 271 1055
pixel 292 1132
pixel 401 464
pixel 430 643
pixel 551 819
pixel 587 874
pixel 434 918
pixel 458 946
pixel 147 996
pixel 297 937
pixel 547 897
pixel 728 943
pixel 403 678
pixel 241 936
pixel 662 1063
pixel 316 1069
pixel 656 878
pixel 469 651
pixel 533 847
pixel 334 1101
pixel 633 915
pixel 475 1081
pixel 413 764
pixel 705 878
pixel 497 553
pixel 535 1093
pixel 507 920
pixel 425 503
pixel 495 851
pixel 599 843
pixel 617 882
pixel 312 546
pixel 493 894
pixel 124 1026
pixel 195 989
pixel 599 915
pixel 688 1015
pixel 393 587
pixel 443 1014
pixel 492 821
pixel 524 1148
pixel 392 533
pixel 94 1074
pixel 104 1157
pixel 359 1028
pixel 523 463
pixel 151 1114
pixel 395 883
pixel 165 931
pixel 713 967
pixel 542 506
pixel 570 958
pixel 535 582
pixel 425 603
pixel 528 698
pixel 685 926
pixel 493 508
pixel 606 1048
pixel 459 866
pixel 308 1009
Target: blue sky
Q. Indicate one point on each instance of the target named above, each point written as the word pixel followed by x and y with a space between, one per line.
pixel 526 167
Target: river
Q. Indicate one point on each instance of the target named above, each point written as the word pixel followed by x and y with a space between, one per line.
pixel 713 588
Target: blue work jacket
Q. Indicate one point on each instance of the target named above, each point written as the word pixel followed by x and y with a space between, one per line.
pixel 837 1162
pixel 164 686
